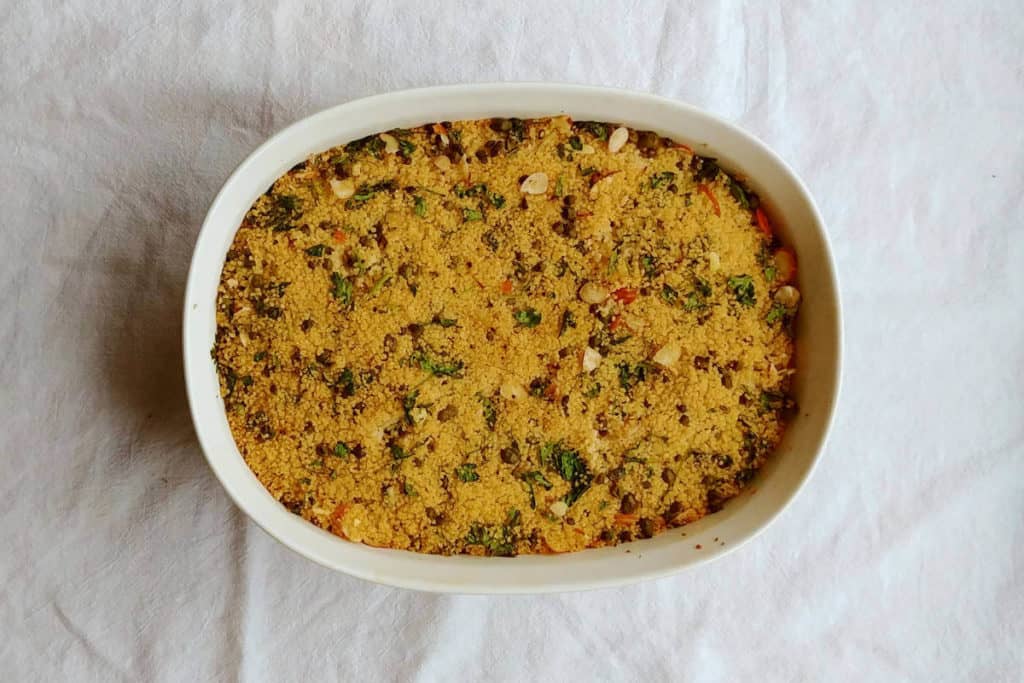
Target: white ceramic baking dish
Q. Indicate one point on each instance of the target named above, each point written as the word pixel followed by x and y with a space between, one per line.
pixel 818 329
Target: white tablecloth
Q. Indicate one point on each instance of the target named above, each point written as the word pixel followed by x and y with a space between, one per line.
pixel 122 558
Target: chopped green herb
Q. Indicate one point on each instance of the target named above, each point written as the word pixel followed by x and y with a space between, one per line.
pixel 500 543
pixel 480 190
pixel 438 368
pixel 630 376
pixel 405 149
pixel 380 283
pixel 535 477
pixel 371 143
pixel 409 404
pixel 467 472
pixel 593 391
pixel 705 169
pixel 260 355
pixel 469 215
pixel 769 273
pixel 366 192
pixel 570 466
pixel 693 302
pixel 595 128
pixel 576 143
pixel 316 250
pixel 539 386
pixel 568 320
pixel 397 452
pixel 697 299
pixel 613 261
pixel 669 294
pixel 738 193
pixel 587 170
pixel 527 317
pixel 471 191
pixel 408 489
pixel 489 411
pixel 443 322
pixel 283 212
pixel 659 179
pixel 491 240
pixel 743 287
pixel 771 400
pixel 341 450
pixel 559 187
pixel 513 517
pixel 420 206
pixel 776 313
pixel 347 382
pixel 342 289
pixel 650 265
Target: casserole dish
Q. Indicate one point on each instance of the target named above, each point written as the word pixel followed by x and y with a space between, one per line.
pixel 818 338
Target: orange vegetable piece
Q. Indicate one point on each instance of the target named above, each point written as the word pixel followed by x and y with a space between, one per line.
pixel 339 236
pixel 785 265
pixel 711 196
pixel 762 222
pixel 506 287
pixel 625 295
pixel 622 519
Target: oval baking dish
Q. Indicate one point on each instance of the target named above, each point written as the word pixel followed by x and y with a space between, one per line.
pixel 818 339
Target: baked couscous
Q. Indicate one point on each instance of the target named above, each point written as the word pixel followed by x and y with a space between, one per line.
pixel 506 336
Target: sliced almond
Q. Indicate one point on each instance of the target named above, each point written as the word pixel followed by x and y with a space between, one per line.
pixel 390 142
pixel 788 296
pixel 668 354
pixel 443 163
pixel 512 391
pixel 714 261
pixel 535 183
pixel 559 508
pixel 592 293
pixel 591 359
pixel 343 189
pixel 617 140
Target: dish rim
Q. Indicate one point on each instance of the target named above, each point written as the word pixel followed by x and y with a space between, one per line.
pixel 211 228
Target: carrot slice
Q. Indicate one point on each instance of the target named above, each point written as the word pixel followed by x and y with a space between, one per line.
pixel 625 295
pixel 506 287
pixel 711 196
pixel 336 517
pixel 762 222
pixel 622 519
pixel 339 236
pixel 785 265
